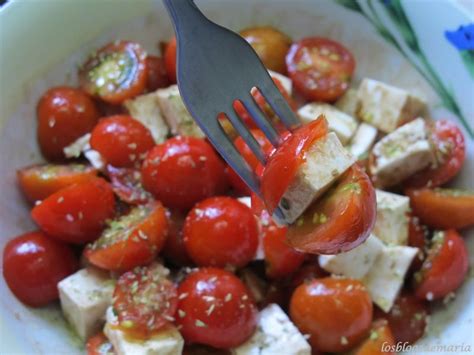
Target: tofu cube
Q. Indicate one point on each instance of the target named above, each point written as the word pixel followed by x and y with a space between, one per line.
pixel 391 224
pixel 385 106
pixel 348 102
pixel 176 115
pixel 355 263
pixel 284 80
pixel 84 298
pixel 326 160
pixel 401 153
pixel 275 335
pixel 385 278
pixel 363 140
pixel 338 122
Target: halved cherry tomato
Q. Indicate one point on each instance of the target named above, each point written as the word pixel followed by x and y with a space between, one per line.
pixel 445 268
pixel 64 114
pixel 450 153
pixel 174 250
pixel 170 60
pixel 336 313
pixel 127 185
pixel 341 220
pixel 145 301
pixel 33 264
pixel 116 72
pixel 131 240
pixel 443 208
pixel 417 234
pixel 320 68
pixel 183 171
pixel 39 181
pixel 77 213
pixel 379 341
pixel 215 309
pixel 157 77
pixel 99 345
pixel 121 140
pixel 221 231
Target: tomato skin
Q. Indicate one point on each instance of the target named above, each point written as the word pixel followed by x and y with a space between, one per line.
pixel 444 269
pixel 174 250
pixel 336 313
pixel 77 213
pixel 99 345
pixel 170 60
pixel 127 185
pixel 443 208
pixel 221 231
pixel 33 264
pixel 417 234
pixel 39 181
pixel 183 171
pixel 320 68
pixel 121 140
pixel 64 114
pixel 380 338
pixel 157 77
pixel 208 315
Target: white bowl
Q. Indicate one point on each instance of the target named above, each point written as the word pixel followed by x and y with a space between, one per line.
pixel 42 42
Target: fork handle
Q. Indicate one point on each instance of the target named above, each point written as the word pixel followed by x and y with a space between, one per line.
pixel 185 16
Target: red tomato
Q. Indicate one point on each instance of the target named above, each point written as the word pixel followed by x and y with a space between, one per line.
pixel 121 140
pixel 77 213
pixel 336 313
pixel 174 250
pixel 116 72
pixel 183 171
pixel 39 181
pixel 445 268
pixel 221 231
pixel 157 77
pixel 443 208
pixel 33 264
pixel 145 301
pixel 215 309
pixel 379 340
pixel 64 114
pixel 341 220
pixel 307 273
pixel 417 238
pixel 170 60
pixel 450 152
pixel 320 68
pixel 99 345
pixel 127 185
pixel 131 240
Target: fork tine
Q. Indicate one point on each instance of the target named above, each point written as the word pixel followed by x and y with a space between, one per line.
pixel 280 106
pixel 261 120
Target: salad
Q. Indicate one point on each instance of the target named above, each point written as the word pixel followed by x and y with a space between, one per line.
pixel 153 245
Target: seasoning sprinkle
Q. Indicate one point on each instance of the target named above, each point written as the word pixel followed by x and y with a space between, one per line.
pixel 200 323
pixel 181 313
pixel 183 295
pixel 228 297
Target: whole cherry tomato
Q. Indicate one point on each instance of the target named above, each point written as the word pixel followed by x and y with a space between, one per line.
pixel 174 250
pixel 157 77
pixel 170 60
pixel 379 341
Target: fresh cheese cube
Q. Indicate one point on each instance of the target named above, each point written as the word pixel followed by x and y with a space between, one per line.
pixel 176 115
pixel 355 263
pixel 96 160
pixel 363 140
pixel 385 278
pixel 259 255
pixel 326 160
pixel 401 153
pixel 348 102
pixel 284 80
pixel 84 298
pixel 339 122
pixel 386 107
pixel 391 224
pixel 79 146
pixel 275 335
pixel 145 108
pixel 167 342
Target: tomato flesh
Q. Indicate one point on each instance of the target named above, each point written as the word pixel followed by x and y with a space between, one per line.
pixel 99 345
pixel 127 185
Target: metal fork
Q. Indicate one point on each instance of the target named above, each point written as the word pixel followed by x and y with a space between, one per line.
pixel 215 67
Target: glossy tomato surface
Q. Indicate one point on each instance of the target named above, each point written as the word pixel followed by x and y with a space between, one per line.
pixel 174 250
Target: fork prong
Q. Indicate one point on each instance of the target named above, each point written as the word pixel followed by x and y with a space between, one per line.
pixel 261 121
pixel 280 106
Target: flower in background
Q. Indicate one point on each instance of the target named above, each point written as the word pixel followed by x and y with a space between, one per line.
pixel 463 40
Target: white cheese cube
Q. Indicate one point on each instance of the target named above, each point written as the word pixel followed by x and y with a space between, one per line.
pixel 275 335
pixel 348 102
pixel 385 279
pixel 391 224
pixel 338 122
pixel 76 148
pixel 176 115
pixel 386 107
pixel 401 153
pixel 84 298
pixel 363 140
pixel 259 255
pixel 284 80
pixel 145 108
pixel 355 263
pixel 96 160
pixel 326 160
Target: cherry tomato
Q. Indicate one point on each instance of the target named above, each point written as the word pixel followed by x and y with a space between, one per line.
pixel 336 313
pixel 77 213
pixel 445 267
pixel 379 340
pixel 33 264
pixel 183 171
pixel 450 153
pixel 121 140
pixel 443 208
pixel 170 60
pixel 320 68
pixel 341 220
pixel 116 72
pixel 157 77
pixel 417 238
pixel 64 114
pixel 221 231
pixel 127 185
pixel 270 44
pixel 39 181
pixel 215 309
pixel 174 250
pixel 145 301
pixel 131 240
pixel 99 345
